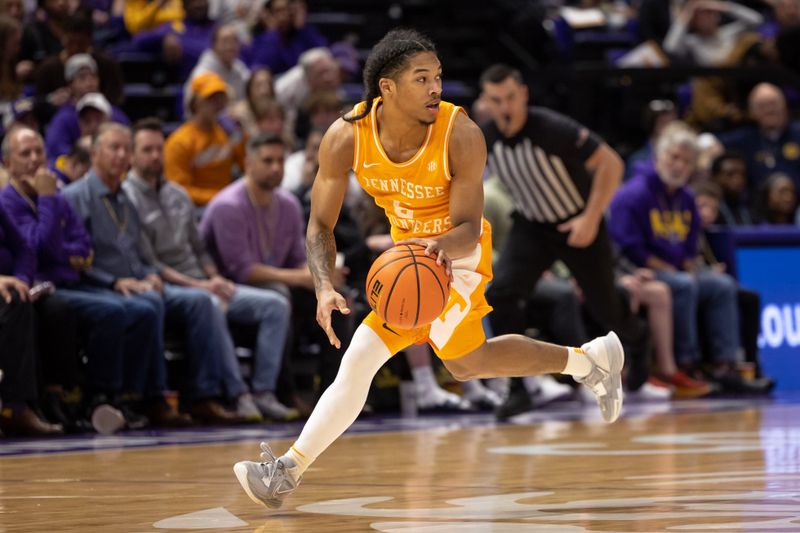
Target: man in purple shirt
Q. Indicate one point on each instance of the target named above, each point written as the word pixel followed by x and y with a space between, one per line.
pixel 654 221
pixel 254 230
pixel 64 249
pixel 18 387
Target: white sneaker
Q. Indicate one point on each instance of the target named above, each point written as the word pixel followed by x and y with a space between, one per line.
pixel 545 389
pixel 605 378
pixel 436 399
pixel 480 396
pixel 247 409
pixel 650 393
pixel 500 386
pixel 271 408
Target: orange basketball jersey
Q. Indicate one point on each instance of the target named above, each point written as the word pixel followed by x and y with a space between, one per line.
pixel 415 194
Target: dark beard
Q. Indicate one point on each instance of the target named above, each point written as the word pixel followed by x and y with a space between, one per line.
pixel 266 187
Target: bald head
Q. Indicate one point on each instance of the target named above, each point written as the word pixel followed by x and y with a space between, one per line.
pixel 768 107
pixel 23 152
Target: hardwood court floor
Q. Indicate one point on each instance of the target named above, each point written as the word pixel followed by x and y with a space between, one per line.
pixel 693 466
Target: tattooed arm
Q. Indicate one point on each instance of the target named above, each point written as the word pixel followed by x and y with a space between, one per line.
pixel 327 196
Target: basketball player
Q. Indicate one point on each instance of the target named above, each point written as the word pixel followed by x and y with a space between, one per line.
pixel 422 160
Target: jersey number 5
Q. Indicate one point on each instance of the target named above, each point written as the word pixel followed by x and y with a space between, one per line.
pixel 402 212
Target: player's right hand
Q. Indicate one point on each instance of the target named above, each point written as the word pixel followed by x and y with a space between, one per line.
pixel 329 300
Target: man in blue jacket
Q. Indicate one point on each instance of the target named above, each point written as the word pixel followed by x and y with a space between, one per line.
pixel 771 144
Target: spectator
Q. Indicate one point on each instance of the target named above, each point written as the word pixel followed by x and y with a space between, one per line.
pixel 729 173
pixel 770 145
pixel 259 88
pixel 319 111
pixel 21 112
pixel 347 56
pixel 654 221
pixel 780 32
pixel 715 101
pixel 77 39
pixel 656 116
pixel 223 59
pixel 777 201
pixel 10 84
pixel 53 230
pixel 270 117
pixel 74 165
pixel 119 268
pixel 199 155
pixel 287 37
pixel 18 389
pixel 144 15
pixel 172 242
pixel 300 167
pixel 708 148
pixel 707 198
pixel 86 109
pixel 647 293
pixel 42 38
pixel 317 71
pixel 180 43
pixel 697 34
pixel 254 230
pixel 242 14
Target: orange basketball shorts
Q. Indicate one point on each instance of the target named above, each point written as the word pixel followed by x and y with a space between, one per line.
pixel 459 329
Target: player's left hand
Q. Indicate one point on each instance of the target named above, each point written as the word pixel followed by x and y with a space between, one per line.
pixel 582 230
pixel 433 248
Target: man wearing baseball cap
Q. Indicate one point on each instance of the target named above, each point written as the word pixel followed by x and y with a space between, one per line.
pixel 64 130
pixel 200 155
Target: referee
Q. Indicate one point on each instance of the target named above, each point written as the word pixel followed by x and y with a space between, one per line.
pixel 561 177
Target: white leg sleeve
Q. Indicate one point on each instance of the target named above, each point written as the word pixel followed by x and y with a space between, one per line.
pixel 341 403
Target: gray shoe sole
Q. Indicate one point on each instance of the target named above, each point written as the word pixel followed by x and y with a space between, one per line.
pixel 616 360
pixel 250 480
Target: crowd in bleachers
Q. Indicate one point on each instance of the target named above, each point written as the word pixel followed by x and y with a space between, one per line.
pixel 157 161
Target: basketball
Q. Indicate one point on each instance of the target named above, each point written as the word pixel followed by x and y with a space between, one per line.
pixel 406 288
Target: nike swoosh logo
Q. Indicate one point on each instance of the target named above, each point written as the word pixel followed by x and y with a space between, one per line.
pixel 387 328
pixel 369 165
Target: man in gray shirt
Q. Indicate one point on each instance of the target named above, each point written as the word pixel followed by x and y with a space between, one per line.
pixel 171 241
pixel 119 268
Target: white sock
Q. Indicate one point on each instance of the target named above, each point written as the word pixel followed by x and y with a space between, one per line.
pixel 531 384
pixel 473 389
pixel 340 404
pixel 577 363
pixel 499 386
pixel 424 377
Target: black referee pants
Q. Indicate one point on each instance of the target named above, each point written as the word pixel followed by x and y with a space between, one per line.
pixel 530 249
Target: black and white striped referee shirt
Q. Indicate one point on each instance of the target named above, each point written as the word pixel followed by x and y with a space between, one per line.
pixel 543 165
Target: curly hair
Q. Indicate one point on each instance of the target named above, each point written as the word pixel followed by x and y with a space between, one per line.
pixel 387 59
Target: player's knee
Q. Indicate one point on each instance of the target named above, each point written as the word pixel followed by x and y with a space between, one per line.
pixel 461 370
